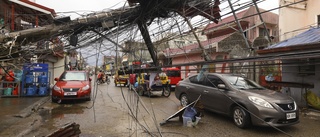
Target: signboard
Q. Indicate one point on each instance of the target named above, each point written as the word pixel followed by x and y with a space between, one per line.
pixel 38 67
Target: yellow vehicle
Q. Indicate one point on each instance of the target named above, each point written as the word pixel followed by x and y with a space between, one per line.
pixel 121 78
pixel 156 84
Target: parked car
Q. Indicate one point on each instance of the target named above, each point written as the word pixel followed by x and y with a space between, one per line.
pixel 72 85
pixel 244 100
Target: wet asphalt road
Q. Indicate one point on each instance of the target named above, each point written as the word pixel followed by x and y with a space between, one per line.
pixel 115 112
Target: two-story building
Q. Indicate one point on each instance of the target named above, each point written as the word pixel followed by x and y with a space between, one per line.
pixel 225 42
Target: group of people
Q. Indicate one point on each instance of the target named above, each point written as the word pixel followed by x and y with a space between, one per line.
pixel 150 80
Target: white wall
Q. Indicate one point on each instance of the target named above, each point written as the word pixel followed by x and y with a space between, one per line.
pixel 296 19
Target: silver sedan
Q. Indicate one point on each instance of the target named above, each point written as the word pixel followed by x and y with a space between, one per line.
pixel 245 101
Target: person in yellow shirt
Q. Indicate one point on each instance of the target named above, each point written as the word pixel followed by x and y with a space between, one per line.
pixel 164 78
pixel 140 79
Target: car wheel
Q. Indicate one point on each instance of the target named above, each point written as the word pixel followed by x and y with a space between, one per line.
pixel 166 91
pixel 241 117
pixel 89 98
pixel 53 100
pixel 184 100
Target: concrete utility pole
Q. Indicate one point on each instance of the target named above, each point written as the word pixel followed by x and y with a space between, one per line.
pixel 206 57
pixel 145 34
pixel 239 25
pixel 264 24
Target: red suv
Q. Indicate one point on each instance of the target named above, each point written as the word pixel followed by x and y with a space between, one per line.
pixel 72 85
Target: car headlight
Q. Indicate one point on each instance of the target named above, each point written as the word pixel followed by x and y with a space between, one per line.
pixel 295 105
pixel 85 88
pixel 260 102
pixel 55 87
pixel 294 102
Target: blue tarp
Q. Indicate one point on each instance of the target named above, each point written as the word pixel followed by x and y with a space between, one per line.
pixel 308 37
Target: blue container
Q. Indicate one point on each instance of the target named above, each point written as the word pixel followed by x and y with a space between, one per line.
pixel 7 91
pixel 42 79
pixel 190 112
pixel 29 79
pixel 42 91
pixel 31 91
pixel 18 75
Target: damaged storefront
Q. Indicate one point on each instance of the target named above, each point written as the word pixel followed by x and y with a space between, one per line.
pixel 299 72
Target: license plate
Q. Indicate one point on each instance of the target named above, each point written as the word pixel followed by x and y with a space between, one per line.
pixel 291 115
pixel 173 86
pixel 70 93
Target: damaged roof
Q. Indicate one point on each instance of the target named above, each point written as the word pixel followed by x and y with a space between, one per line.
pixel 311 36
pixel 194 47
pixel 307 40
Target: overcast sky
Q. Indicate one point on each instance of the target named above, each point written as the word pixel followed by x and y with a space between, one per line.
pixel 88 6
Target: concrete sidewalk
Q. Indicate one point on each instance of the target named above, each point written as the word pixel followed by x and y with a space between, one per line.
pixel 14 109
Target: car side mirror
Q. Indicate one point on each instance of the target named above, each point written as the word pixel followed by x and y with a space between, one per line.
pixel 56 79
pixel 222 86
pixel 90 79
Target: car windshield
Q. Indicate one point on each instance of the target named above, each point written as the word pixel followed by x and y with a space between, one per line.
pixel 173 73
pixel 73 76
pixel 242 83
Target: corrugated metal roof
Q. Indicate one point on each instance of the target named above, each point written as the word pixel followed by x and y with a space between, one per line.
pixel 188 48
pixel 308 37
pixel 226 20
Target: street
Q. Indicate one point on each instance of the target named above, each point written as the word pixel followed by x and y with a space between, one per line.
pixel 115 111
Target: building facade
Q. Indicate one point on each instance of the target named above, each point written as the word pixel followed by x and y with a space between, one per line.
pixel 224 42
pixel 299 35
pixel 298 17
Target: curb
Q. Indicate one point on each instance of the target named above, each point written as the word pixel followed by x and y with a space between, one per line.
pixel 32 108
pixel 28 112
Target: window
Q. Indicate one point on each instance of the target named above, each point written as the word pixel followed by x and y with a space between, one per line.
pixel 318 19
pixel 179 43
pixel 213 81
pixel 242 83
pixel 171 73
pixel 263 32
pixel 73 76
pixel 195 80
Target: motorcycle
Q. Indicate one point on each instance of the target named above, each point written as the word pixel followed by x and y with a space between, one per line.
pixel 108 81
pixel 100 81
pixel 164 90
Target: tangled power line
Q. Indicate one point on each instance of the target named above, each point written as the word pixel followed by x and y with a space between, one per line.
pixel 168 27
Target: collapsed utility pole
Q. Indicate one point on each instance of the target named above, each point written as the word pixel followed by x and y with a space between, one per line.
pixel 145 34
pixel 206 57
pixel 71 26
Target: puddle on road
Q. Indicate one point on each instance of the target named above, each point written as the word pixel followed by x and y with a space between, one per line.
pixel 52 117
pixel 61 111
